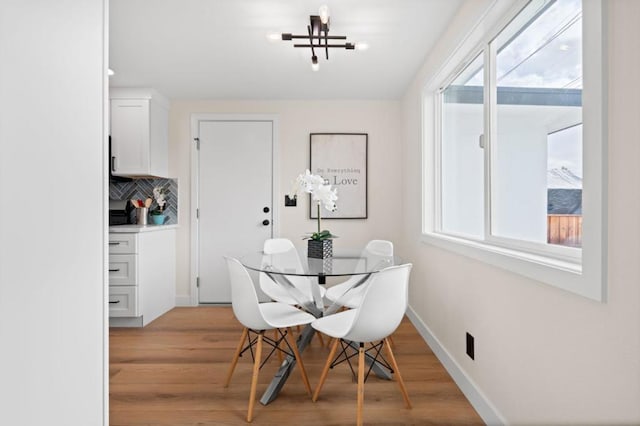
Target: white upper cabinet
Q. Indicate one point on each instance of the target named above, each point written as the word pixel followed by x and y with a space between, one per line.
pixel 139 133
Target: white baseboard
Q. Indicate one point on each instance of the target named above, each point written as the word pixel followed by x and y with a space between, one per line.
pixel 125 321
pixel 184 301
pixel 478 400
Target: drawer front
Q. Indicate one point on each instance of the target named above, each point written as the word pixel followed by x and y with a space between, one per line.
pixel 123 301
pixel 122 269
pixel 122 243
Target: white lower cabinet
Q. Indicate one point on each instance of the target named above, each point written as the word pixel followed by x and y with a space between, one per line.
pixel 142 283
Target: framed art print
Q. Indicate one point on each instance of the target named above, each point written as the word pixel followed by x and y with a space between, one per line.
pixel 341 159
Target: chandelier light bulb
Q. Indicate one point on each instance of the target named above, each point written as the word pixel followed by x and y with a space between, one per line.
pixel 362 46
pixel 324 13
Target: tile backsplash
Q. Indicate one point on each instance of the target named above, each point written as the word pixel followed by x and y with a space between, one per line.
pixel 143 189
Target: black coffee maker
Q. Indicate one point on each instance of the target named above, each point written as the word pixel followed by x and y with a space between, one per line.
pixel 120 212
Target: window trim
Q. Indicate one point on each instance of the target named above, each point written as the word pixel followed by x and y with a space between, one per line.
pixel 580 271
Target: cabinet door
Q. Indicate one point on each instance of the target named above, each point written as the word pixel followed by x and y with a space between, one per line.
pixel 130 137
pixel 159 140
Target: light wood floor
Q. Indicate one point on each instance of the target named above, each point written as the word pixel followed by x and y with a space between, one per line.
pixel 171 373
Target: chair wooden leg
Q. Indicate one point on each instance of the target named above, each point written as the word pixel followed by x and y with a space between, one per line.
pixel 296 352
pixel 254 378
pixel 396 372
pixel 393 344
pixel 360 384
pixel 320 338
pixel 243 337
pixel 325 371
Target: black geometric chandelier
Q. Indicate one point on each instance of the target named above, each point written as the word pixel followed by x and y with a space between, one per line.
pixel 318 37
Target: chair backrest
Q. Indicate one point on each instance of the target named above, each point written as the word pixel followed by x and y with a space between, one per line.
pixel 243 297
pixel 380 247
pixel 288 258
pixel 383 305
pixel 290 261
pixel 375 252
pixel 378 253
pixel 277 245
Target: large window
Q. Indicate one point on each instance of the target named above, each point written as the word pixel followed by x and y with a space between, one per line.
pixel 462 159
pixel 508 147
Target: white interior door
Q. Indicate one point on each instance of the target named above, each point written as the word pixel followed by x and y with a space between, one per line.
pixel 235 196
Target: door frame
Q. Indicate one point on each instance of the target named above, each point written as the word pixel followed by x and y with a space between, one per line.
pixel 196 119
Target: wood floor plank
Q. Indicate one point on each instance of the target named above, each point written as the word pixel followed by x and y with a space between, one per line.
pixel 172 372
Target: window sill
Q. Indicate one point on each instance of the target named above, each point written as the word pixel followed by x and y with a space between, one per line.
pixel 566 275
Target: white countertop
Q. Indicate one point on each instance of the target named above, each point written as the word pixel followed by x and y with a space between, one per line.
pixel 140 228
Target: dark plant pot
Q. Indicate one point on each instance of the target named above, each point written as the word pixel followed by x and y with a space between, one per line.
pixel 320 249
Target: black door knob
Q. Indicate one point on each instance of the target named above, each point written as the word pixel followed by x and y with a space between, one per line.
pixel 265 222
pixel 266 210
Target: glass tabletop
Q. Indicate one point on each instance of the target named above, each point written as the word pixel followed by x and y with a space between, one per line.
pixel 344 262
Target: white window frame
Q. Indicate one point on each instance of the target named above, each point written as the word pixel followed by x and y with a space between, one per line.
pixel 581 271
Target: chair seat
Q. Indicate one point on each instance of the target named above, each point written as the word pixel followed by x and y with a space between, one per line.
pixel 279 315
pixel 336 325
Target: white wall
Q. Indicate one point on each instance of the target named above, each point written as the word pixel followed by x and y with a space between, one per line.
pixel 380 119
pixel 543 355
pixel 52 223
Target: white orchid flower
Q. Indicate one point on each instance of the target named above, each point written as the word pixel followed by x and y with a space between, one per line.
pixel 313 181
pixel 306 182
pixel 321 193
pixel 159 194
pixel 326 196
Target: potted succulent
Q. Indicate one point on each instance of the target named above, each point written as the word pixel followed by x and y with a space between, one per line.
pixel 157 214
pixel 320 244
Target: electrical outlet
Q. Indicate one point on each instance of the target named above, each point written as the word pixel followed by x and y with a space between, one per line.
pixel 470 346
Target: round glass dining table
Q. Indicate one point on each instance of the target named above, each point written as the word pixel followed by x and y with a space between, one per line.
pixel 344 262
pixel 283 268
pixel 279 267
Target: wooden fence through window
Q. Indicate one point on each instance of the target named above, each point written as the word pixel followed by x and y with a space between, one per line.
pixel 564 229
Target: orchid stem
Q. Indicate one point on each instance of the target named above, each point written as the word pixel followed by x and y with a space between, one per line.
pixel 318 218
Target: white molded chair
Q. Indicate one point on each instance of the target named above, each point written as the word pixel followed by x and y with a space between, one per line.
pixel 383 306
pixel 379 248
pixel 257 318
pixel 274 290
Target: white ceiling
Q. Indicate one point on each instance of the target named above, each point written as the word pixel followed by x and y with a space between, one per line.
pixel 218 49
